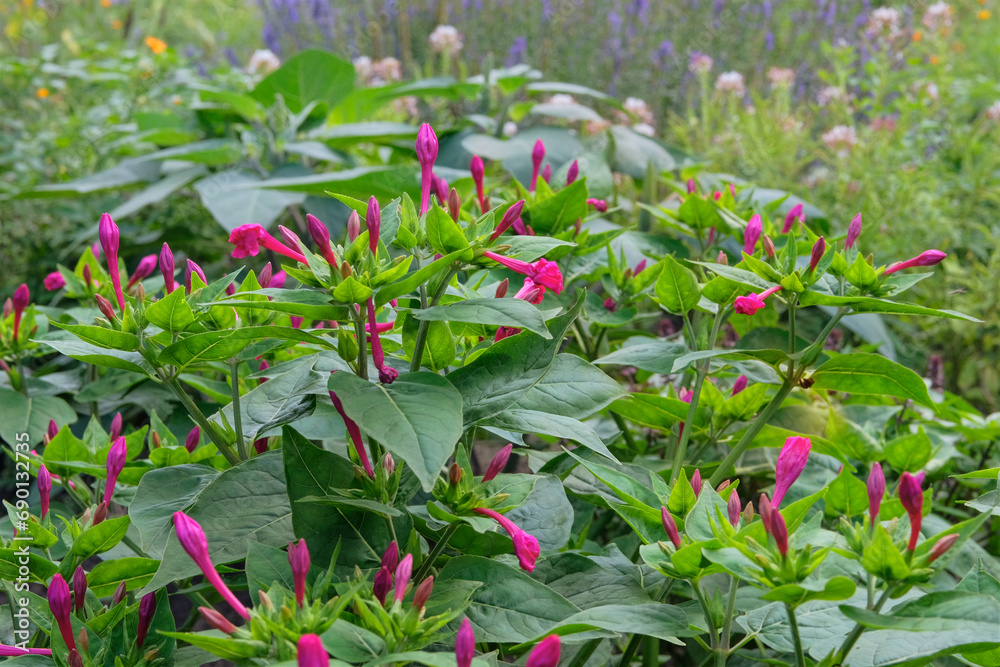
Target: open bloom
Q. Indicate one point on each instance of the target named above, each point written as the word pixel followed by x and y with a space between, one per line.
pixel 876 490
pixel 167 268
pixel 311 652
pixel 752 234
pixel 54 281
pixel 525 545
pixel 926 258
pixel 59 605
pixel 546 654
pixel 115 464
pixel 498 463
pixel 192 538
pixel 427 152
pixel 542 272
pixel 249 238
pixel 386 374
pixel 537 155
pixel 107 232
pixel 912 498
pixel 529 292
pixel 793 216
pixel 670 526
pixel 853 231
pixel 751 303
pixel 298 558
pixel 145 268
pixel 509 217
pixel 791 462
pixel 465 644
pixel 355 433
pixel 44 489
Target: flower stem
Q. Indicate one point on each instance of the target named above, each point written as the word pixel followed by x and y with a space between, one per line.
pixel 422 329
pixel 800 658
pixel 727 629
pixel 636 639
pixel 436 551
pixel 359 333
pixel 200 420
pixel 241 446
pixel 852 638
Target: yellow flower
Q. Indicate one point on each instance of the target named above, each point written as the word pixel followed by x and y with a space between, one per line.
pixel 176 99
pixel 983 15
pixel 934 59
pixel 155 45
pixel 42 93
pixel 917 36
pixel 105 3
pixel 117 24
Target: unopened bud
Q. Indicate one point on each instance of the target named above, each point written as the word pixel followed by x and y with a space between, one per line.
pixel 769 247
pixel 87 275
pixel 723 486
pixel 119 595
pixel 217 620
pixel 353 226
pixel 140 293
pixel 748 512
pixel 265 601
pixel 942 545
pixel 151 655
pixel 454 204
pixel 388 463
pixel 423 593
pixel 104 306
pixel 502 289
pixel 454 474
pixel 74 658
pixel 345 270
pixel 86 516
pixel 83 640
pixel 102 513
pixel 722 258
pixel 156 440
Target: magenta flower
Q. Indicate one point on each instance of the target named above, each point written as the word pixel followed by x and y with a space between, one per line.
pixel 751 303
pixel 692 187
pixel 167 268
pixel 542 272
pixel 145 268
pixel 573 173
pixel 14 651
pixel 912 498
pixel 739 385
pixel 510 216
pixel 79 588
pixel 423 593
pixel 752 234
pixel 116 427
pixel 790 219
pixel 441 190
pixel 386 374
pixel 217 620
pixel 44 489
pixel 546 654
pixel 530 292
pixel 599 204
pixel 147 607
pixel 733 507
pixel 876 490
pixel 373 221
pixel 465 644
pixel 547 173
pixel 498 463
pixel 247 240
pixel 525 546
pixel 779 531
pixel 311 652
pixel 192 538
pixel 355 433
pixel 696 481
pixel 942 546
pixel 390 558
pixel 296 322
pixel 670 526
pixel 478 176
pixel 54 281
pixel 193 269
pixel 107 232
pixel 537 155
pixel 115 464
pixel 427 152
pixel 321 237
pixel 926 258
pixel 59 604
pixel 853 231
pixel 53 430
pixel 298 558
pixel 264 279
pixel 20 301
pixel 765 512
pixel 278 280
pixel 382 584
pixel 791 462
pixel 403 572
pixel 817 253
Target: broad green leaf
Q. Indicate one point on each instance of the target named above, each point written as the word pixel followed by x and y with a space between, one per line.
pixel 98 356
pixel 444 234
pixel 219 345
pixel 297 83
pixel 107 575
pixel 910 452
pixel 654 355
pixel 559 211
pixel 495 312
pixel 206 151
pixel 677 287
pixel 161 493
pixel 127 172
pixel 418 417
pixel 571 388
pixel 31 414
pixel 222 645
pixel 349 642
pixel 836 588
pixel 883 559
pixel 534 421
pixel 95 335
pixel 277 402
pixel 305 303
pixel 846 495
pixel 171 313
pixel 652 620
pixel 860 304
pixel 660 412
pixel 862 373
pixel 98 539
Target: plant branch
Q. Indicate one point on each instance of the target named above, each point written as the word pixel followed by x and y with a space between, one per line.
pixel 852 638
pixel 199 418
pixel 241 446
pixel 636 639
pixel 436 551
pixel 800 658
pixel 422 329
pixel 751 432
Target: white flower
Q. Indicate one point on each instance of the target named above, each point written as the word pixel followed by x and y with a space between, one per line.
pixel 644 128
pixel 446 39
pixel 842 139
pixel 730 82
pixel 884 20
pixel 938 16
pixel 700 64
pixel 562 100
pixel 781 77
pixel 388 69
pixel 597 126
pixel 993 113
pixel 263 61
pixel 406 106
pixel 931 90
pixel 364 68
pixel 831 94
pixel 509 128
pixel 638 108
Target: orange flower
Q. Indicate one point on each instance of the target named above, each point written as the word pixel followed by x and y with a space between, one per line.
pixel 105 3
pixel 917 35
pixel 983 15
pixel 155 45
pixel 934 59
pixel 117 24
pixel 42 93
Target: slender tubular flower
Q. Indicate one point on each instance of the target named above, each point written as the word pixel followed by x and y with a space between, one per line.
pixel 247 240
pixel 546 654
pixel 573 173
pixel 192 538
pixel 44 489
pixel 145 268
pixel 525 546
pixel 107 232
pixel 423 593
pixel 537 155
pixel 355 433
pixel 298 558
pixel 478 175
pixel 547 173
pixel 853 231
pixel 403 572
pixel 739 385
pixel 147 607
pixel 79 589
pixel 817 253
pixel 321 237
pixel 542 272
pixel 116 427
pixel 510 216
pixel 876 490
pixel 386 374
pixel 670 526
pixel 733 508
pixel 779 531
pixel 20 302
pixel 926 258
pixel 59 604
pixel 751 303
pixel 311 652
pixel 14 651
pixel 498 463
pixel 217 620
pixel 752 234
pixel 427 152
pixel 465 644
pixel 696 481
pixel 382 584
pixel 912 498
pixel 793 215
pixel 167 269
pixel 791 462
pixel 941 547
pixel 115 464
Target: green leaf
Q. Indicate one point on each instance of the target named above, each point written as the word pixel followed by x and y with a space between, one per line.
pixel 910 452
pixel 699 213
pixel 98 539
pixel 349 642
pixel 107 575
pixel 351 290
pixel 867 304
pixel 40 568
pixel 534 421
pixel 655 356
pixel 495 312
pixel 281 400
pixel 836 588
pixel 444 234
pixel 654 411
pixel 559 211
pixel 219 345
pixel 23 414
pixel 95 335
pixel 682 497
pixel 571 387
pixel 171 313
pixel 883 559
pixel 846 495
pixel 677 287
pixel 297 83
pixel 98 356
pixel 207 151
pixel 222 645
pixel 862 373
pixel 161 493
pixel 652 620
pixel 418 417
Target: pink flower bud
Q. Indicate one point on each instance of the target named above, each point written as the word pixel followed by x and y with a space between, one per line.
pixel 547 173
pixel 640 267
pixel 423 593
pixel 105 307
pixel 573 173
pixel 291 239
pixel 599 204
pixel 791 217
pixel 791 462
pixel 733 507
pixel 768 247
pixel 779 530
pixel 427 152
pixel 390 558
pixel 692 187
pixel 537 155
pixel 217 620
pixel 508 219
pixel 498 463
pixel 403 572
pixel 382 584
pixel 465 644
pixel 54 281
pixel 167 268
pixel 321 237
pixel 670 526
pixel 610 305
pixel 752 234
pixel 311 652
pixel 353 226
pixel 912 498
pixel 107 232
pixel 386 374
pixel 926 258
pixel 193 269
pixel 44 489
pixel 941 546
pixel 876 490
pixel 525 546
pixel 192 538
pixel 388 463
pixel 373 220
pixel 853 231
pixel 696 481
pixel 546 654
pixel 739 385
pixel 20 301
pixel 117 456
pixel 478 174
pixel 817 253
pixel 765 512
pixel 298 558
pixel 14 651
pixel 79 588
pixel 116 427
pixel 454 205
pixel 264 279
pixel 501 290
pixel 145 268
pixel 260 444
pixel 59 604
pixel 441 190
pixel 147 607
pixel 53 429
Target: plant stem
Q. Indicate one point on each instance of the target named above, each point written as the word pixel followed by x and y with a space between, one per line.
pixel 583 655
pixel 359 333
pixel 751 433
pixel 650 652
pixel 201 421
pixel 800 658
pixel 636 639
pixel 712 630
pixel 629 440
pixel 852 638
pixel 418 347
pixel 727 629
pixel 241 446
pixel 435 552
